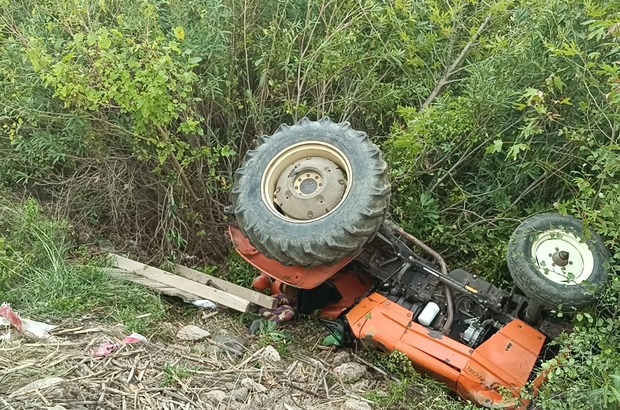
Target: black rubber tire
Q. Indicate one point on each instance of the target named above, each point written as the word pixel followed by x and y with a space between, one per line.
pixel 534 284
pixel 338 235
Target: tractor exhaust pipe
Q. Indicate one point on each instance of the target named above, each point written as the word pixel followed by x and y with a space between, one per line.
pixel 442 267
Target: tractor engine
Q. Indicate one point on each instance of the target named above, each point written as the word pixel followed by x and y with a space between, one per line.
pixel 470 311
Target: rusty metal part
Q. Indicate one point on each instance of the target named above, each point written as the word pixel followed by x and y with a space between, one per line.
pixel 560 258
pixel 310 188
pixel 324 171
pixel 442 267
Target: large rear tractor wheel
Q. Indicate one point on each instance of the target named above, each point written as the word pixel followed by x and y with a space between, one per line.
pixel 555 262
pixel 312 193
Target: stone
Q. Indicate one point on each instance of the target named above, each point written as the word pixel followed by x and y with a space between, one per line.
pixel 340 357
pixel 40 384
pixel 380 393
pixel 353 404
pixel 253 386
pixel 351 371
pixel 191 332
pixel 240 394
pixel 362 385
pixel 270 354
pixel 236 346
pixel 216 396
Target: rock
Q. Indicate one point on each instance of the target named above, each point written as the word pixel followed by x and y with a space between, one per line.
pixel 191 332
pixel 216 396
pixel 362 385
pixel 380 393
pixel 351 371
pixel 353 404
pixel 253 386
pixel 271 354
pixel 340 357
pixel 40 384
pixel 236 346
pixel 240 394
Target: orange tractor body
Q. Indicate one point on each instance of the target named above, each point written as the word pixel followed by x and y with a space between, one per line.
pixel 504 361
pixel 311 209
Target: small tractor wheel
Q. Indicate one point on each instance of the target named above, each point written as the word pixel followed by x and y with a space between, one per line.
pixel 555 261
pixel 312 193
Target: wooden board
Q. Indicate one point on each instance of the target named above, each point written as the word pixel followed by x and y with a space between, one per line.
pixel 245 293
pixel 182 284
pixel 152 284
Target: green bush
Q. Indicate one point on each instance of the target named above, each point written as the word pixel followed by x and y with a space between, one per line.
pixel 129 117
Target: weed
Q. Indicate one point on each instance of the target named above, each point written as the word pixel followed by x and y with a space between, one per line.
pixel 39 280
pixel 271 335
pixel 175 374
pixel 209 270
pixel 239 271
pixel 410 390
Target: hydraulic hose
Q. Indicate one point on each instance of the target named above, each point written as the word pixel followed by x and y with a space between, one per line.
pixel 442 267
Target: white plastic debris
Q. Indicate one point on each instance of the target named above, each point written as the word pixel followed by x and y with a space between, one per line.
pixel 37 329
pixel 135 338
pixel 30 327
pixel 203 303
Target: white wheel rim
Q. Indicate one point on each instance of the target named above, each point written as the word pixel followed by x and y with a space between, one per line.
pixel 579 266
pixel 297 152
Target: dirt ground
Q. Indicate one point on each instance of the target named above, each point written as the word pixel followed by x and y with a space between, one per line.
pixel 62 372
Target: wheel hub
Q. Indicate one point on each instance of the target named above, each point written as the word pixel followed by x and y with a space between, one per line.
pixel 562 257
pixel 310 188
pixel 306 182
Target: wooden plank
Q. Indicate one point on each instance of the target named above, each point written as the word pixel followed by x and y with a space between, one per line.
pixel 182 284
pixel 152 284
pixel 245 293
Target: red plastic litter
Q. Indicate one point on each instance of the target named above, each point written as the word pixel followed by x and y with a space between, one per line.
pixel 8 313
pixel 108 348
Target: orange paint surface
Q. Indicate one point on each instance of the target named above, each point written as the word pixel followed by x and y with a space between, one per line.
pixel 506 359
pixel 291 275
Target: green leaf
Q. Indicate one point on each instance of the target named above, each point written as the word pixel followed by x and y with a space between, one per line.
pixel 179 33
pixel 516 149
pixel 104 43
pixel 495 147
pixel 91 40
pixel 557 82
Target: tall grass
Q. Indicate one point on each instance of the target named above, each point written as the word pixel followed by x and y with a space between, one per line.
pixel 40 277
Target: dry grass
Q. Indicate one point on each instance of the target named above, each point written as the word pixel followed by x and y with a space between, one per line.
pixel 156 375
